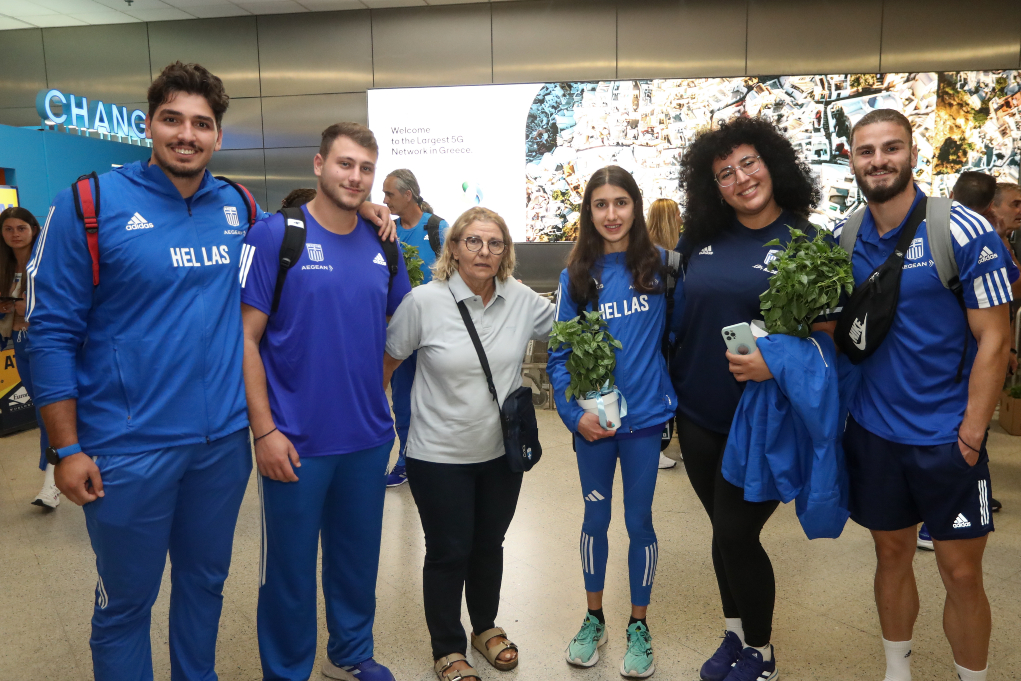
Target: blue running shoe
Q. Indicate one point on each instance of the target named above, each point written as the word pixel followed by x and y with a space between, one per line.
pixel 924 540
pixel 397 477
pixel 369 670
pixel 718 666
pixel 751 667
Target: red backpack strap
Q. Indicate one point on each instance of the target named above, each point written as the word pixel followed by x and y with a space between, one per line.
pixel 87 205
pixel 246 196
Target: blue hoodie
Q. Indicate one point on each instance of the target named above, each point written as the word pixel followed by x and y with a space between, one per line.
pixel 637 321
pixel 785 440
pixel 153 354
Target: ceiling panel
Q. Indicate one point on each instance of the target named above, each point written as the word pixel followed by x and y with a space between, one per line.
pixel 22 72
pixel 228 47
pixel 80 60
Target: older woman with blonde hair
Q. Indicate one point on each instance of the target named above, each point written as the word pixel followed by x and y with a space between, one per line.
pixel 664 223
pixel 464 488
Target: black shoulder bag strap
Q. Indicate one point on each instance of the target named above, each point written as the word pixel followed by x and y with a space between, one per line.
pixel 483 360
pixel 432 229
pixel 290 248
pixel 392 255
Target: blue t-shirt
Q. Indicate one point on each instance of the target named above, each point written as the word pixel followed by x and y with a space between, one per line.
pixel 722 285
pixel 323 348
pixel 418 237
pixel 908 392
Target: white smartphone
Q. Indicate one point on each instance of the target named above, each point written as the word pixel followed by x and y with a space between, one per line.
pixel 739 338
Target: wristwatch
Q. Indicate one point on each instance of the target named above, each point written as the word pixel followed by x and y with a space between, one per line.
pixel 54 455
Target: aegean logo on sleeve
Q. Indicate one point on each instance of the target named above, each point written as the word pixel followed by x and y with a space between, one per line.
pixel 138 222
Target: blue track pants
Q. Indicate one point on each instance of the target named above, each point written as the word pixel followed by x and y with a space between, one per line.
pixel 25 373
pixel 184 500
pixel 341 498
pixel 639 465
pixel 400 393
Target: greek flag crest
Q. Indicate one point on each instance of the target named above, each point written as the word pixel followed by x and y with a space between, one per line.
pixel 315 252
pixel 916 250
pixel 232 216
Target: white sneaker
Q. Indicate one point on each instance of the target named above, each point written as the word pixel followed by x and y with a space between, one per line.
pixel 48 496
pixel 666 462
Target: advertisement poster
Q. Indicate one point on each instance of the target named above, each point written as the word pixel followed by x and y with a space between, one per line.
pixel 8 197
pixel 526 151
pixel 16 409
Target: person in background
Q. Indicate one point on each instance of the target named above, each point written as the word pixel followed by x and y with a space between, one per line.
pixel 664 225
pixel 20 231
pixel 915 440
pixel 298 197
pixel 317 405
pixel 616 269
pixel 416 226
pixel 463 486
pixel 1006 208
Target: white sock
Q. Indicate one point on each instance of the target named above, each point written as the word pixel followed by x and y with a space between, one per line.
pixel 968 675
pixel 767 652
pixel 49 475
pixel 734 624
pixel 898 660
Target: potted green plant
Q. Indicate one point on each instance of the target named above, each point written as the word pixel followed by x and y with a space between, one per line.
pixel 591 366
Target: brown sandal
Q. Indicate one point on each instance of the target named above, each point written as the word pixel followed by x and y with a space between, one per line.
pixel 445 673
pixel 492 654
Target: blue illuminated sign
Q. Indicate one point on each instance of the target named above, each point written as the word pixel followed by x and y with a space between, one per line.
pixel 79 112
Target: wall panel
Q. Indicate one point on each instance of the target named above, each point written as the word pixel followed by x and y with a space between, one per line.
pixel 681 38
pixel 299 121
pixel 335 53
pixel 110 63
pixel 247 166
pixel 22 68
pixel 288 169
pixel 242 124
pixel 540 41
pixel 446 45
pixel 228 47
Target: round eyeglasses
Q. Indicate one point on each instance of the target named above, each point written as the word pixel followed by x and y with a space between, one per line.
pixel 749 165
pixel 474 244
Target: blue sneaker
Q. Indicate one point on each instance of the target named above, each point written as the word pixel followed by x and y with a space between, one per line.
pixel 718 666
pixel 924 540
pixel 397 477
pixel 369 670
pixel 751 667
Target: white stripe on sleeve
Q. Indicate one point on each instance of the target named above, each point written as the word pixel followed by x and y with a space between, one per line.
pixel 33 266
pixel 1006 283
pixel 991 290
pixel 246 263
pixel 999 286
pixel 973 230
pixel 958 233
pixel 980 293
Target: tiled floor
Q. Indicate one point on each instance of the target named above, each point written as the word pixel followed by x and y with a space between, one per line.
pixel 825 625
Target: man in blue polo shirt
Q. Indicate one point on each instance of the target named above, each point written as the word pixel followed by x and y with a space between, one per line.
pixel 322 426
pixel 416 226
pixel 915 442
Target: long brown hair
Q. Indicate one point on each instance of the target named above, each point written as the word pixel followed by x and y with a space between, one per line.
pixel 9 263
pixel 642 259
pixel 664 223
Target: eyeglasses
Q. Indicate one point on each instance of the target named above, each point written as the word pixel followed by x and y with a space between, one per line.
pixel 749 165
pixel 474 244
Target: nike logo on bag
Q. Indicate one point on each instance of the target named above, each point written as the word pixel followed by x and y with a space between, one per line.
pixel 857 333
pixel 986 255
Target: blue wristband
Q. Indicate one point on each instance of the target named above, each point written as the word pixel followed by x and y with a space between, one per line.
pixel 67 451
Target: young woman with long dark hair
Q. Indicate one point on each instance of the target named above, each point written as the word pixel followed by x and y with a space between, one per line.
pixel 744 186
pixel 616 269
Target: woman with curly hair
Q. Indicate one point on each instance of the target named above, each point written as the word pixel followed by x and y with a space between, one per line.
pixel 744 185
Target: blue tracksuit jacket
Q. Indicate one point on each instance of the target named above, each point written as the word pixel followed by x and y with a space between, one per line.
pixel 785 440
pixel 153 354
pixel 637 321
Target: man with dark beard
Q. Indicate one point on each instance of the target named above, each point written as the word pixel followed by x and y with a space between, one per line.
pixel 319 413
pixel 915 439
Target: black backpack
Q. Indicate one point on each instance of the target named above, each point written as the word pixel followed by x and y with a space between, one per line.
pixel 432 228
pixel 293 245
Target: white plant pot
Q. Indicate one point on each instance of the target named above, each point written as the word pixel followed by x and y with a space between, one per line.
pixel 610 407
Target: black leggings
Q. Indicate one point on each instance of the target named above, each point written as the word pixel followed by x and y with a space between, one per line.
pixel 743 570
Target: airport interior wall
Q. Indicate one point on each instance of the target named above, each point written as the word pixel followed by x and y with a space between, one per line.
pixel 291 75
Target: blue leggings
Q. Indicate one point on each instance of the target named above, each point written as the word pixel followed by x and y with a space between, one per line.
pixel 639 465
pixel 25 373
pixel 400 393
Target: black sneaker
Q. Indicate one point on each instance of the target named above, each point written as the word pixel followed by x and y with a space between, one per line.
pixel 994 505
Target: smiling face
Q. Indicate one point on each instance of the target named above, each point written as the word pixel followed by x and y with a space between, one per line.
pixel 184 135
pixel 749 194
pixel 883 157
pixel 346 175
pixel 17 233
pixel 481 266
pixel 613 215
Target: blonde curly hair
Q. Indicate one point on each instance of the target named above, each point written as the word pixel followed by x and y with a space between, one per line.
pixel 446 264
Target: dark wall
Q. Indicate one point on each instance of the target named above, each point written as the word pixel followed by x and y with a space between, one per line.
pixel 290 76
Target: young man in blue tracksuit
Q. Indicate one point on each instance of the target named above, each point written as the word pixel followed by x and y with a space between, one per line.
pixel 322 426
pixel 403 197
pixel 632 301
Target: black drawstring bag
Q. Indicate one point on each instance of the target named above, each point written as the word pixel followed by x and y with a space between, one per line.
pixel 868 315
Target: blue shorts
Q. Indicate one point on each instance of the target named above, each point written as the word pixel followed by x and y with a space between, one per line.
pixel 894 486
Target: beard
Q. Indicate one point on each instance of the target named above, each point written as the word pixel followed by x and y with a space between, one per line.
pixel 884 193
pixel 175 170
pixel 341 199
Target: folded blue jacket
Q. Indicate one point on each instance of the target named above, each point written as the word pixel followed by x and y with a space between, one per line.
pixel 785 440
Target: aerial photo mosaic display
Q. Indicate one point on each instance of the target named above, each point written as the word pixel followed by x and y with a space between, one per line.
pixel 558 134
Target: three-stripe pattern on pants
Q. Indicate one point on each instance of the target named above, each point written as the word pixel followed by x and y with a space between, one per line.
pixel 588 563
pixel 651 559
pixel 983 501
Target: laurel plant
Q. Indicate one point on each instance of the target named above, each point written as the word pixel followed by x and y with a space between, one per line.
pixel 413 264
pixel 592 359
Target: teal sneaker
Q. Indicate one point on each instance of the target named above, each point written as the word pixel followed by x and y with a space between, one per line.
pixel 583 650
pixel 638 662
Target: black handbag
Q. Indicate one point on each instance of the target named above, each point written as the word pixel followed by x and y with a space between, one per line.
pixel 517 415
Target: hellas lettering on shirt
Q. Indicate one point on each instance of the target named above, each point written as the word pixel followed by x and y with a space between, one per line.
pixel 186 257
pixel 611 310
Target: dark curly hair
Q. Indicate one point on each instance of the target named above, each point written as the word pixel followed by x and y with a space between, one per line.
pixel 642 258
pixel 705 213
pixel 192 79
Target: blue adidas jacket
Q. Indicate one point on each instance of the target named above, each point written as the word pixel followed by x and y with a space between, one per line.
pixel 153 354
pixel 785 440
pixel 637 321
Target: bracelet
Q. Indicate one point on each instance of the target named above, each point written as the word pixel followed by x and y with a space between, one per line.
pixel 965 444
pixel 275 430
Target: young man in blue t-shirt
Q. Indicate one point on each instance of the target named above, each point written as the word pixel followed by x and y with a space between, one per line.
pixel 316 402
pixel 403 197
pixel 915 442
